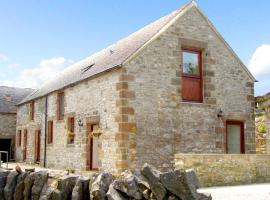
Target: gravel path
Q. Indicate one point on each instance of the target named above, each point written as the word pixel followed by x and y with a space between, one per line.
pixel 245 192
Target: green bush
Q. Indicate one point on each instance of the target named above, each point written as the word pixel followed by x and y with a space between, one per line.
pixel 262 128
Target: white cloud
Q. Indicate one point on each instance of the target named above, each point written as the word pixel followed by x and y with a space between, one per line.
pixel 259 64
pixel 14 66
pixel 34 77
pixel 3 58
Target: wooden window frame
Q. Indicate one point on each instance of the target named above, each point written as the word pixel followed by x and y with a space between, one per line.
pixel 198 77
pixel 25 143
pixel 19 138
pixel 38 146
pixel 71 125
pixel 242 135
pixel 50 132
pixel 60 101
pixel 32 110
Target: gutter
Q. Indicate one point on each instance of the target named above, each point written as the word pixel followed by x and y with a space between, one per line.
pixel 45 134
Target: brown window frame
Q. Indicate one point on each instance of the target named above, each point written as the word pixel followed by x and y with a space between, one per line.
pixel 32 110
pixel 25 143
pixel 19 138
pixel 71 130
pixel 189 76
pixel 60 105
pixel 50 132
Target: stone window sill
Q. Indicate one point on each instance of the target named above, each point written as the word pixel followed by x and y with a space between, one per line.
pixel 70 145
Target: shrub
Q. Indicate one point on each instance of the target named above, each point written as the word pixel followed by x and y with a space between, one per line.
pixel 262 128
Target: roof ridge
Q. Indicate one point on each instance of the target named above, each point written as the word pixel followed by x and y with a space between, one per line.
pixel 106 59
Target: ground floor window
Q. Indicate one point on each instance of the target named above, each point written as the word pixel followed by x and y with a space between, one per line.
pixel 71 130
pixel 25 141
pixel 50 132
pixel 19 137
pixel 235 137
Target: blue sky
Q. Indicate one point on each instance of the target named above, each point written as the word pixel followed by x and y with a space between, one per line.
pixel 40 38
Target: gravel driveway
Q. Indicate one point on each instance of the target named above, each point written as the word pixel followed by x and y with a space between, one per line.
pixel 245 192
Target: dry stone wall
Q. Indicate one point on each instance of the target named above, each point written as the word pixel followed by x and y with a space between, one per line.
pixel 145 184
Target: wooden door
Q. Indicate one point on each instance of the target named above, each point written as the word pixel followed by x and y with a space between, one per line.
pixel 25 135
pixel 38 145
pixel 92 160
pixel 235 137
pixel 192 75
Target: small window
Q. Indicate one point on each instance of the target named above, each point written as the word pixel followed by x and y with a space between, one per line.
pixel 191 75
pixel 71 130
pixel 191 63
pixel 60 106
pixel 50 132
pixel 19 138
pixel 32 110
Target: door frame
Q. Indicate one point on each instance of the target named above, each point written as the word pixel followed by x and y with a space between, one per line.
pixel 89 149
pixel 25 141
pixel 242 135
pixel 38 146
pixel 199 78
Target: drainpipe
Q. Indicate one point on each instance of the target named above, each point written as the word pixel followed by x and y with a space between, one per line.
pixel 45 135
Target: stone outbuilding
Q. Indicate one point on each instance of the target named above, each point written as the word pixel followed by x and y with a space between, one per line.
pixel 175 86
pixel 9 97
pixel 263 103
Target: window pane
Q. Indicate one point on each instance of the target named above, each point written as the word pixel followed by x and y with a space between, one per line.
pixel 234 139
pixel 190 63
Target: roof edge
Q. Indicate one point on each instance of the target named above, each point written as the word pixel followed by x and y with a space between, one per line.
pixel 225 42
pixel 69 85
pixel 185 9
pixel 164 28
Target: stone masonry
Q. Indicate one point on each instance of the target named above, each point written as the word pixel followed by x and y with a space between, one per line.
pixel 168 125
pixel 139 105
pixel 9 97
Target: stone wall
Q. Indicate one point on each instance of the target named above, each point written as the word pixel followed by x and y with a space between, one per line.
pixel 226 169
pixel 95 98
pixel 8 129
pixel 7 125
pixel 147 183
pixel 164 124
pixel 140 107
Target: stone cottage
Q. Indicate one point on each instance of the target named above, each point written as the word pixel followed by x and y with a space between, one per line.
pixel 9 97
pixel 174 86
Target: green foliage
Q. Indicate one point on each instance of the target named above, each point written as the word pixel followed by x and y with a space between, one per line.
pixel 262 128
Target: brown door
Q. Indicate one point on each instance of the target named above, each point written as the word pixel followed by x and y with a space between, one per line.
pixel 192 75
pixel 25 135
pixel 38 143
pixel 235 137
pixel 92 160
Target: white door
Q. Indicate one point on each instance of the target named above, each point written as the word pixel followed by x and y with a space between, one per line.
pixel 235 138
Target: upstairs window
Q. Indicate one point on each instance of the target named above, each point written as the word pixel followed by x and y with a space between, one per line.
pixel 50 132
pixel 192 75
pixel 32 110
pixel 60 106
pixel 71 130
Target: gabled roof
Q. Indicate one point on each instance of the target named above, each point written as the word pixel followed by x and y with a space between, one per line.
pixel 115 55
pixel 10 96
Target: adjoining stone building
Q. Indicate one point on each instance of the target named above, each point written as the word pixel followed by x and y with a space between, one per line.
pixel 9 97
pixel 263 103
pixel 174 86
